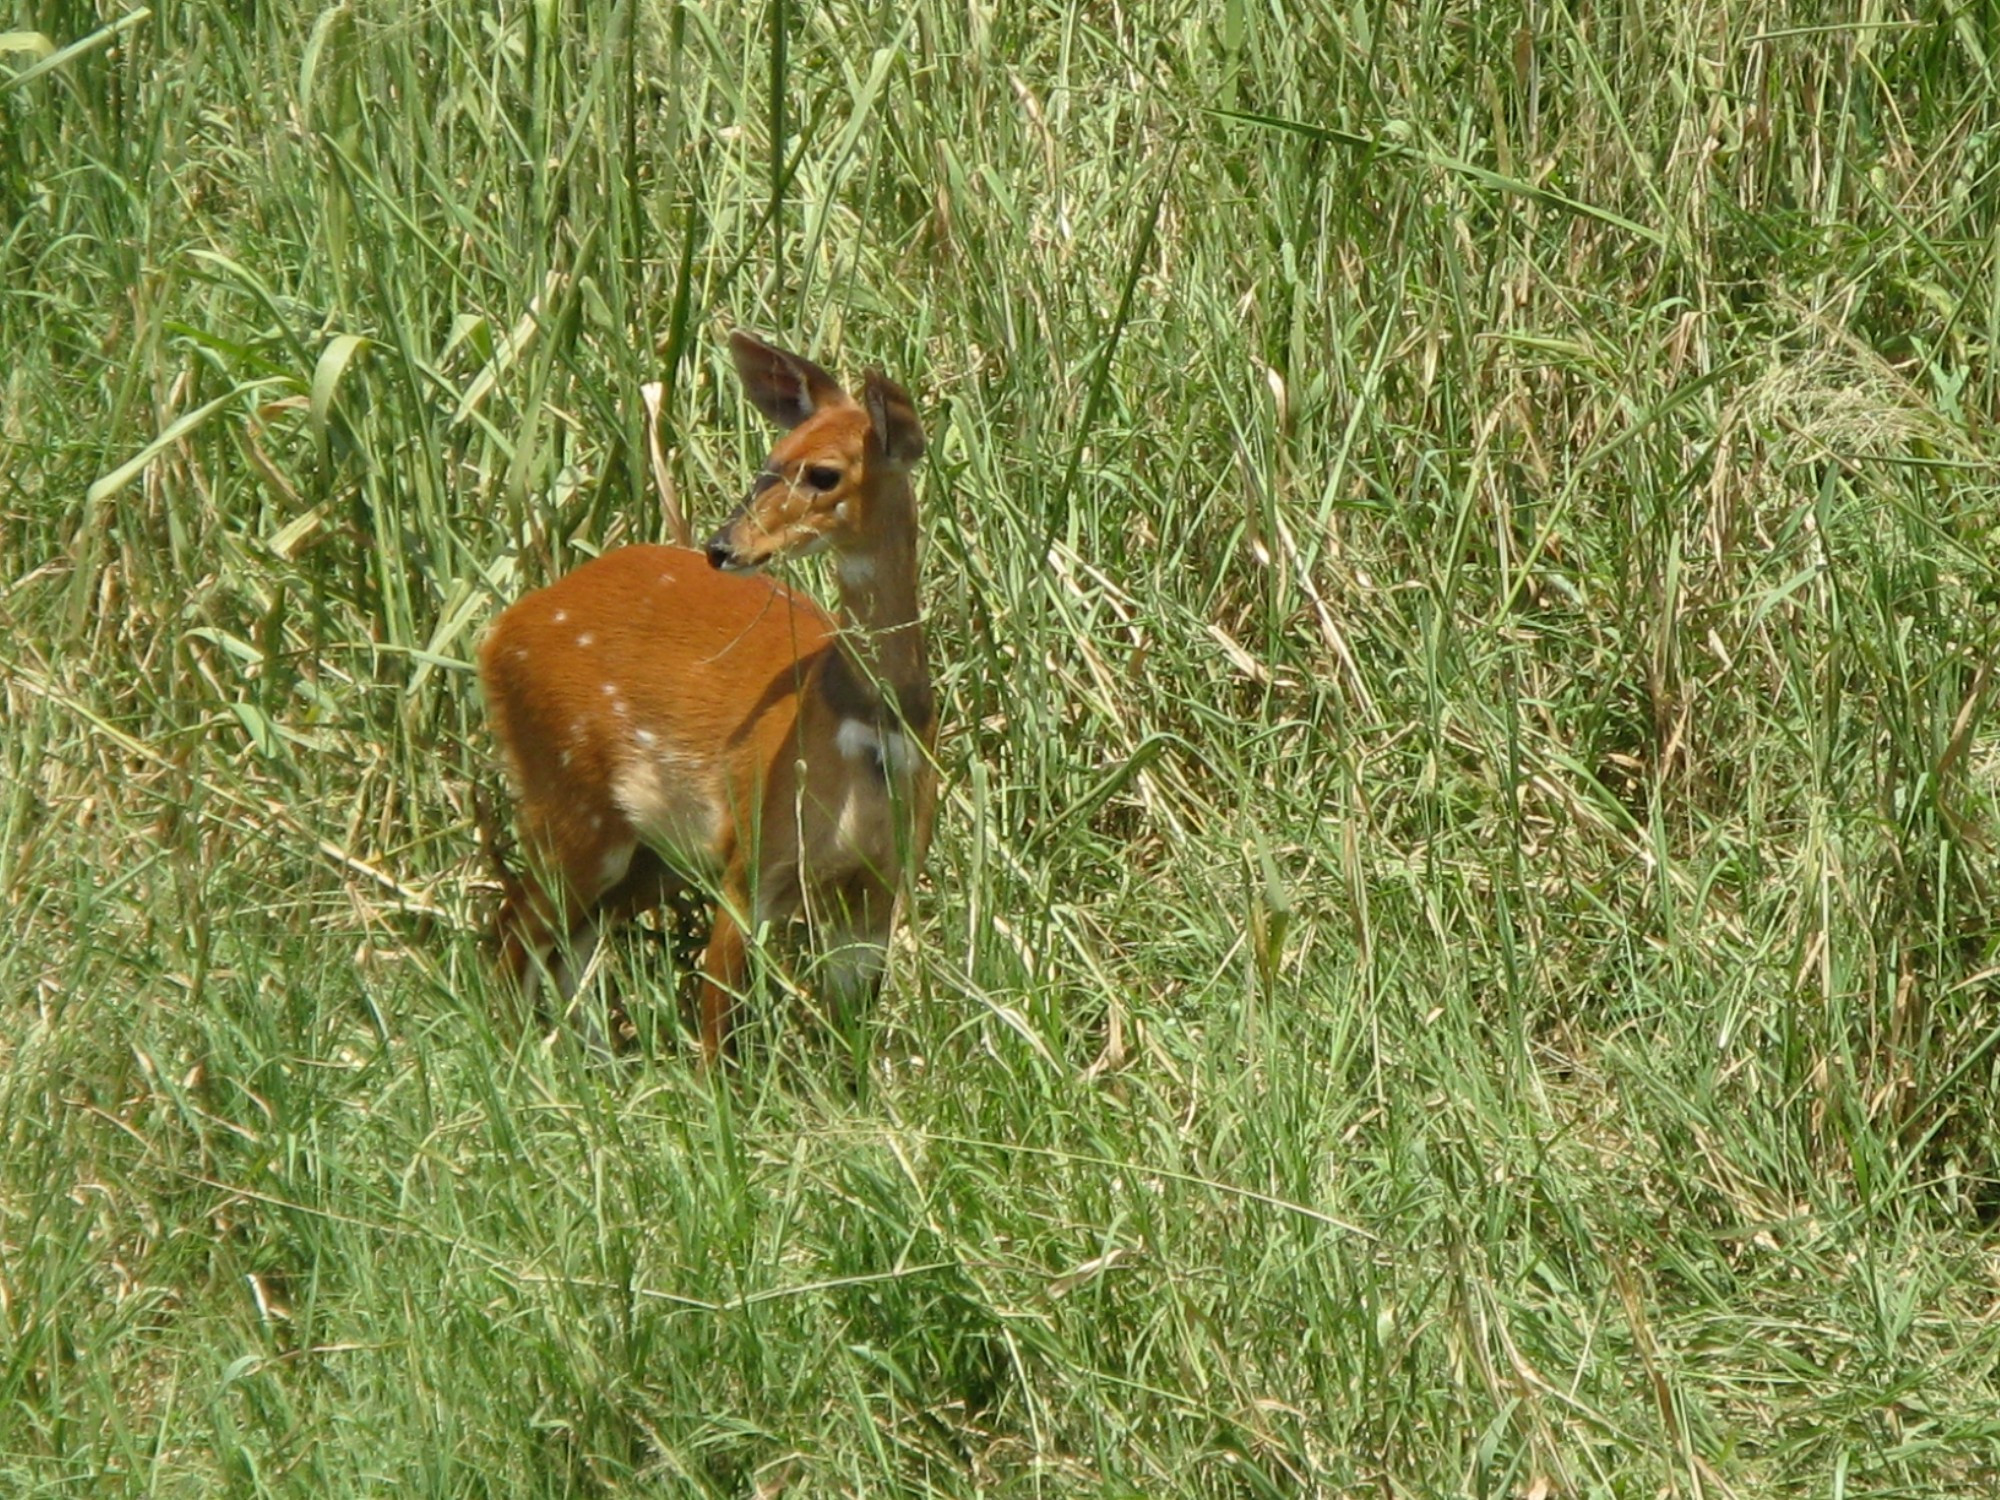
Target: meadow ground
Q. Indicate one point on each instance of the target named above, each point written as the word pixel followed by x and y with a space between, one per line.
pixel 1459 957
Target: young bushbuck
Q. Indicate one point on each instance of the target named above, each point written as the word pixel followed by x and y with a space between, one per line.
pixel 672 718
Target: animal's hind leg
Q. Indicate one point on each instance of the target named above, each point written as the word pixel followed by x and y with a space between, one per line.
pixel 548 922
pixel 525 928
pixel 649 884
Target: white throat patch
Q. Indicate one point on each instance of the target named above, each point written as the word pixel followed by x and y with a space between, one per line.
pixel 888 752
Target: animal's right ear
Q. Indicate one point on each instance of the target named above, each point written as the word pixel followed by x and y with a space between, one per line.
pixel 893 416
pixel 784 387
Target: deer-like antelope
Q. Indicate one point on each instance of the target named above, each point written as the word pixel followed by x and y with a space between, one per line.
pixel 672 719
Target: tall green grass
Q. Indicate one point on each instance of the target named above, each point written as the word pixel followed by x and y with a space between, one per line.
pixel 1459 956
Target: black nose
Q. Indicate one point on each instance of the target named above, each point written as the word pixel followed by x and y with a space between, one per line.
pixel 718 551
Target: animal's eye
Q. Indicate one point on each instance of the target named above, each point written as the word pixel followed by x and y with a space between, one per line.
pixel 822 478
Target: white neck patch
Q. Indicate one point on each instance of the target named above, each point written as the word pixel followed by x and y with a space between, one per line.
pixel 887 751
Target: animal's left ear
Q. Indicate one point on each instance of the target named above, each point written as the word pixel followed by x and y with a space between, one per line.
pixel 893 416
pixel 787 388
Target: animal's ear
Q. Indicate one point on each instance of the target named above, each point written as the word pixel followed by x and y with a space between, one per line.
pixel 784 387
pixel 893 416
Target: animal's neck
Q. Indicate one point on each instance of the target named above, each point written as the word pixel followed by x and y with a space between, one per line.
pixel 878 605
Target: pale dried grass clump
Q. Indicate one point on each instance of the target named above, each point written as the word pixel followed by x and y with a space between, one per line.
pixel 1838 398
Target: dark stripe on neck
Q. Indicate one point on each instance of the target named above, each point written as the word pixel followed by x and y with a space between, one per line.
pixel 851 695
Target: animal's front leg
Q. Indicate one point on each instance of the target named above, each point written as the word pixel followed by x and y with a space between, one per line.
pixel 851 934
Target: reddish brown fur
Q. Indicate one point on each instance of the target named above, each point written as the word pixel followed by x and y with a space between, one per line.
pixel 666 720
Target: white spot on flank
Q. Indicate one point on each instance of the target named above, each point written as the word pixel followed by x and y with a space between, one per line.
pixel 585 641
pixel 620 707
pixel 519 653
pixel 646 737
pixel 561 615
pixel 610 690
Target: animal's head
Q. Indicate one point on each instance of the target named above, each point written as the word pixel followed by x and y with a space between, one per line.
pixel 840 461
